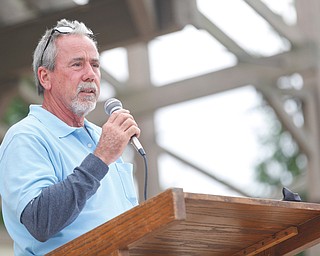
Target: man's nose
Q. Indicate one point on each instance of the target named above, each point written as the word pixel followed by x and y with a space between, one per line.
pixel 89 74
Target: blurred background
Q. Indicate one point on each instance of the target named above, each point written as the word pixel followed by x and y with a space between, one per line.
pixel 226 93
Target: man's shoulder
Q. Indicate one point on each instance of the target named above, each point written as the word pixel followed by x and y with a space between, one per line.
pixel 28 124
pixel 22 132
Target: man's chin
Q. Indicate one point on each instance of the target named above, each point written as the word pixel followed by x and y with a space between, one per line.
pixel 83 109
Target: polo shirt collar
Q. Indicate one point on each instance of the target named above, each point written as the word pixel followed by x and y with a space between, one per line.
pixel 51 121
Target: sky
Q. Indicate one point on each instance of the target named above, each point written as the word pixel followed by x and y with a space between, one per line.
pixel 218 133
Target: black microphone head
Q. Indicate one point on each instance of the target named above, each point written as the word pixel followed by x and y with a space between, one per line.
pixel 112 105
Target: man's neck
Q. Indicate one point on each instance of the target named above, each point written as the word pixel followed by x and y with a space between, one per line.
pixel 66 116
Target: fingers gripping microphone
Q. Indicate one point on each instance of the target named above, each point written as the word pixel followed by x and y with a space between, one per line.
pixel 112 105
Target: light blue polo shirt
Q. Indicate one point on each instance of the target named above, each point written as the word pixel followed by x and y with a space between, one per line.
pixel 41 150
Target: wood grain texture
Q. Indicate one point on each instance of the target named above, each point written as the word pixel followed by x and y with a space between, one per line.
pixel 268 242
pixel 219 225
pixel 120 253
pixel 177 223
pixel 155 214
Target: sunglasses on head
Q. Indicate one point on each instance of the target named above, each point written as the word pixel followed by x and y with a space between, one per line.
pixel 61 30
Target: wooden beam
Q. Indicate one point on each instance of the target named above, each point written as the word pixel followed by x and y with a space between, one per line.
pixel 292 33
pixel 202 22
pixel 152 98
pixel 144 16
pixel 110 20
pixel 205 172
pixel 268 242
pixel 113 22
pixel 308 236
pixel 301 136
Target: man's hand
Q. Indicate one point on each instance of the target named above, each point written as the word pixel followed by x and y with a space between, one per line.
pixel 116 134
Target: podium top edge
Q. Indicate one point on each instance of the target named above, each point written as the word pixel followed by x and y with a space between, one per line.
pixel 250 200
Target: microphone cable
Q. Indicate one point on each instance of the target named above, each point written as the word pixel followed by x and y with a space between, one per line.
pixel 145 160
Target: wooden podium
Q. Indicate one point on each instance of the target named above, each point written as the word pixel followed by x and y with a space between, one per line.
pixel 188 224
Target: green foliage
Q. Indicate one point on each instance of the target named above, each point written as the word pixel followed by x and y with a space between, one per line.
pixel 281 162
pixel 17 110
pixel 1 219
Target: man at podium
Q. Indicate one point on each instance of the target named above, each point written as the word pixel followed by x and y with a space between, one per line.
pixel 61 175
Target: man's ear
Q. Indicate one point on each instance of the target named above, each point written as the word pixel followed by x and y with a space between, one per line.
pixel 44 77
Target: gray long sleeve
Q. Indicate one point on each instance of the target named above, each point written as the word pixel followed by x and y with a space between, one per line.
pixel 59 205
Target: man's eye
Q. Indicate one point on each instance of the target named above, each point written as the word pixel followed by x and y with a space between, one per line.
pixel 76 64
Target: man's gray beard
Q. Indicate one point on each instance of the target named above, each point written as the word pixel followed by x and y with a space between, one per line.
pixel 82 108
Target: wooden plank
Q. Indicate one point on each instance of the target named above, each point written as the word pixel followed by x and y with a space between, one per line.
pixel 268 242
pixel 158 212
pixel 220 225
pixel 308 236
pixel 223 80
pixel 120 253
pixel 176 223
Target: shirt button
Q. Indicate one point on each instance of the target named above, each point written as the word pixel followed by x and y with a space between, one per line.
pixel 89 145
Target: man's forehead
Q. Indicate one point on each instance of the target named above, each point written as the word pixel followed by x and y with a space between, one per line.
pixel 74 40
pixel 77 44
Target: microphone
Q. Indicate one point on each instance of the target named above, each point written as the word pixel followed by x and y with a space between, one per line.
pixel 114 104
